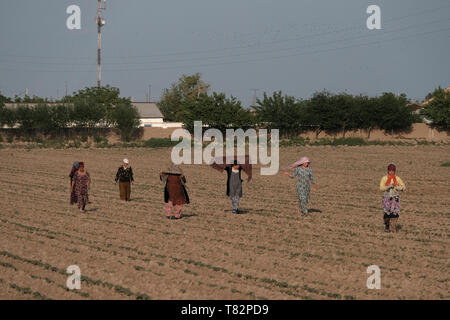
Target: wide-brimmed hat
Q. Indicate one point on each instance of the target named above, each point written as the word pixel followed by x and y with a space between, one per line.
pixel 173 169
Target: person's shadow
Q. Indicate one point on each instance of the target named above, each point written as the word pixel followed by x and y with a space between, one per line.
pixel 241 211
pixel 315 210
pixel 188 215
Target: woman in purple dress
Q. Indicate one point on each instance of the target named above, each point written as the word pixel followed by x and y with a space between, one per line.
pixel 81 184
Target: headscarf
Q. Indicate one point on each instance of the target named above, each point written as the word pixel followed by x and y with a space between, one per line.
pixel 297 163
pixel 76 164
pixel 391 178
pixel 126 161
pixel 173 169
pixel 230 162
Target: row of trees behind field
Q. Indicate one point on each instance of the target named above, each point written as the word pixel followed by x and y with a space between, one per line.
pixel 188 100
pixel 88 108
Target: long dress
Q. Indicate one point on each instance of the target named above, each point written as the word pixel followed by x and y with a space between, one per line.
pixel 303 186
pixel 235 188
pixel 175 194
pixel 81 185
pixel 235 185
pixel 73 193
pixel 175 189
pixel 391 197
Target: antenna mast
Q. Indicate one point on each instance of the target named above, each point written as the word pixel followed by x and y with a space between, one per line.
pixel 100 24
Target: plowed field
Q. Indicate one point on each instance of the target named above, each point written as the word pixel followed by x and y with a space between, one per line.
pixel 131 251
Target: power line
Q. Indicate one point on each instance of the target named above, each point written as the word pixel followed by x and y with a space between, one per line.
pixel 257 52
pixel 249 60
pixel 394 19
pixel 290 55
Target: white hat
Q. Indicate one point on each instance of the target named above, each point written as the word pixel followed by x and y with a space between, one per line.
pixel 126 160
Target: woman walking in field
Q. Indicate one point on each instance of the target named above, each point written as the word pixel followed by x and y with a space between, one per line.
pixel 81 184
pixel 175 193
pixel 125 177
pixel 73 194
pixel 304 173
pixel 234 180
pixel 391 184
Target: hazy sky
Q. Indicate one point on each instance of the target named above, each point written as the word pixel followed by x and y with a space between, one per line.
pixel 297 46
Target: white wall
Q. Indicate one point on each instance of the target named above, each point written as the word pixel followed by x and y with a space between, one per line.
pixel 159 123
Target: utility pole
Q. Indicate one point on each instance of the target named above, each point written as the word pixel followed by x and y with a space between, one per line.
pixel 100 24
pixel 65 83
pixel 149 92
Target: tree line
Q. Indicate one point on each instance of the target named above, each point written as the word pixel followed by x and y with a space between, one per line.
pixel 87 108
pixel 188 100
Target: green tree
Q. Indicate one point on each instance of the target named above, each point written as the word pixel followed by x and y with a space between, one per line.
pixel 438 109
pixel 216 112
pixel 90 115
pixel 173 100
pixel 5 113
pixel 29 99
pixel 94 106
pixel 229 113
pixel 4 99
pixel 370 114
pixel 281 112
pixel 24 117
pixel 41 116
pixel 323 112
pixel 7 116
pixel 62 115
pixel 393 112
pixel 347 109
pixel 125 117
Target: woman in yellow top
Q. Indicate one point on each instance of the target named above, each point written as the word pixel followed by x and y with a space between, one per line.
pixel 391 184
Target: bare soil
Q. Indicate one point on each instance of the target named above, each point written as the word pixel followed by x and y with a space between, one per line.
pixel 131 251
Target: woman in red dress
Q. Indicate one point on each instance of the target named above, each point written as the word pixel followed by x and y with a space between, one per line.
pixel 73 194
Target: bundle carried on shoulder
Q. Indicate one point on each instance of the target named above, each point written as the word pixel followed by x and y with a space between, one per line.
pixel 220 163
